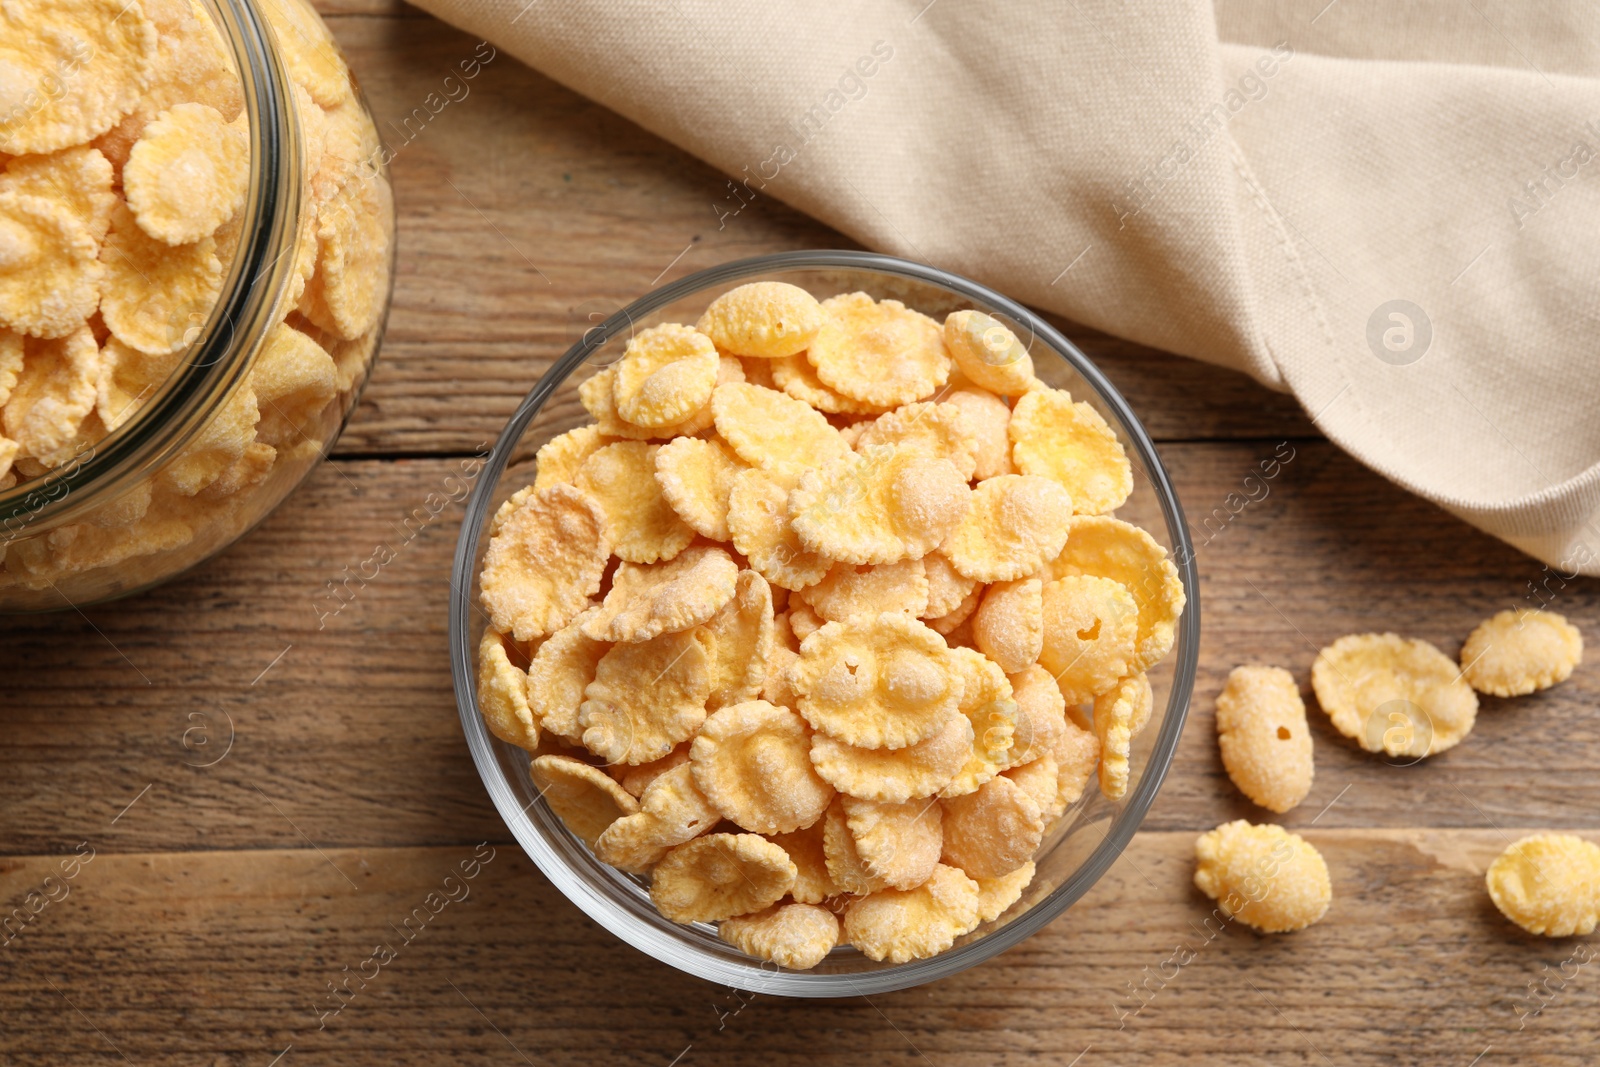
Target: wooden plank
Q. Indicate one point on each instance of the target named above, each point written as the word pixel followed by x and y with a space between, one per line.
pixel 348 736
pixel 526 208
pixel 204 958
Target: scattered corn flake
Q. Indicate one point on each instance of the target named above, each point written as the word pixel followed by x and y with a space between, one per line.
pixel 758 520
pixel 696 477
pixel 992 831
pixel 884 681
pixel 187 173
pixel 989 417
pixel 503 695
pixel 346 294
pixel 1114 714
pixel 558 459
pixel 295 380
pixel 1091 629
pixel 1520 652
pixel 309 51
pixel 672 810
pixel 646 697
pixel 878 506
pixel 79 179
pixel 666 374
pixel 49 277
pixel 1394 695
pixel 1015 524
pixel 586 800
pixel 935 431
pixel 951 621
pixel 720 876
pixel 812 883
pixel 1041 714
pixel 1548 884
pixel 1110 548
pixel 742 632
pixel 904 925
pixel 773 431
pixel 1263 735
pixel 989 353
pixel 637 779
pixel 647 600
pixel 561 670
pixel 642 526
pixel 54 393
pixel 763 319
pixel 1041 779
pixel 880 353
pixel 73 69
pixel 895 775
pixel 996 895
pixel 948 588
pixel 846 869
pixel 1264 876
pixel 155 294
pixel 1053 437
pixel 795 936
pixel 1009 624
pixel 796 377
pixel 849 591
pixel 752 761
pixel 898 843
pixel 986 702
pixel 545 563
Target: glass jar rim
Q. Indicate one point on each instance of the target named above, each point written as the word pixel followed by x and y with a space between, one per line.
pixel 219 358
pixel 639 932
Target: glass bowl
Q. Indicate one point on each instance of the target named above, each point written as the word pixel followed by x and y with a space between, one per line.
pixel 1078 850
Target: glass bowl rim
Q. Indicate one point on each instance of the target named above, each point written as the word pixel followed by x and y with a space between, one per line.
pixel 651 938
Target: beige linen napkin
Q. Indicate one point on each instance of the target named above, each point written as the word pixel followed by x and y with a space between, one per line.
pixel 1389 209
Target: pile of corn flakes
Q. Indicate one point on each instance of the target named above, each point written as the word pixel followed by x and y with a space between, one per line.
pixel 805 625
pixel 124 147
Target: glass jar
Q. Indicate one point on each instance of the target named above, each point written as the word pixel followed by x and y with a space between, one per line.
pixel 184 450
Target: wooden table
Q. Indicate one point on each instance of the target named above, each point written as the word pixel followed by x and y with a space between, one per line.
pixel 229 887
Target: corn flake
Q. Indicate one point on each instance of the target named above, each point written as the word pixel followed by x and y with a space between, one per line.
pixel 220 444
pixel 849 591
pixel 49 276
pixel 1520 652
pixel 672 810
pixel 637 779
pixel 1262 732
pixel 952 621
pixel 752 761
pixel 763 319
pixel 187 173
pixel 346 294
pixel 1009 624
pixel 989 418
pixel 503 695
pixel 558 459
pixel 948 588
pixel 1041 714
pixel 987 352
pixel 773 431
pixel 812 883
pixel 877 682
pixel 992 831
pixel 898 843
pixel 1053 437
pixel 795 936
pixel 561 669
pixel 1015 524
pixel 935 431
pixel 647 600
pixel 987 703
pixel 879 353
pixel 846 869
pixel 794 376
pixel 154 292
pixel 586 800
pixel 895 775
pixel 54 393
pixel 878 506
pixel 666 374
pixel 544 563
pixel 1041 779
pixel 79 179
pixel 640 523
pixel 294 379
pixel 1394 695
pixel 758 520
pixel 1264 876
pixel 775 687
pixel 803 621
pixel 996 895
pixel 1548 884
pixel 1110 548
pixel 905 925
pixel 646 697
pixel 720 876
pixel 742 633
pixel 309 51
pixel 696 477
pixel 1091 629
pixel 1114 714
pixel 598 399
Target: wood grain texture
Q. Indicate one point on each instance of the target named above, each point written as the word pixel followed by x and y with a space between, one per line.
pixel 269 787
